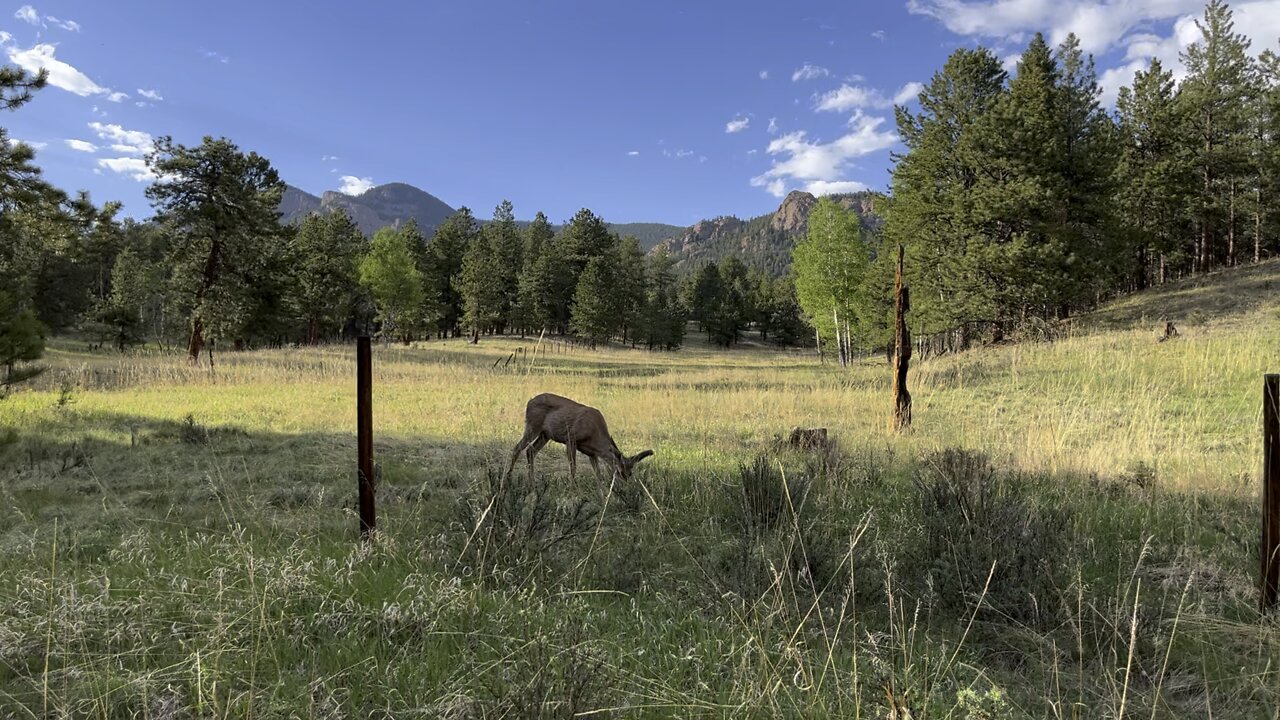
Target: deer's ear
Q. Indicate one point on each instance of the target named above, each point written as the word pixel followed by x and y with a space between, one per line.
pixel 641 456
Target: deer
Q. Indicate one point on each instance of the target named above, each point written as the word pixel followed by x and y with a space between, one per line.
pixel 581 429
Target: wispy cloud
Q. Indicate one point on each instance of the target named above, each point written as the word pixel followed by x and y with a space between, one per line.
pixel 5 38
pixel 633 153
pixel 879 35
pixel 134 142
pixel 132 167
pixel 29 14
pixel 352 185
pixel 853 97
pixel 61 75
pixel 764 74
pixel 773 126
pixel 818 165
pixel 81 145
pixel 150 94
pixel 328 158
pixel 809 72
pixel 116 97
pixel 737 124
pixel 215 55
pixel 33 143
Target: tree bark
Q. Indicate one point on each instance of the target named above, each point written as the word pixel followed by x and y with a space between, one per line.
pixel 196 344
pixel 902 350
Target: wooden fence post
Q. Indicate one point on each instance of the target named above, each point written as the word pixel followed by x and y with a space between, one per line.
pixel 1270 490
pixel 364 431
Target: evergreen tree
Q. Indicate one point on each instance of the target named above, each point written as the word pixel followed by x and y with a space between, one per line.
pixel 664 317
pixel 1215 100
pixel 392 278
pixel 21 341
pixel 325 253
pixel 537 282
pixel 446 251
pixel 508 249
pixel 481 284
pixel 936 211
pixel 632 288
pixel 595 305
pixel 1152 178
pixel 222 205
pixel 700 294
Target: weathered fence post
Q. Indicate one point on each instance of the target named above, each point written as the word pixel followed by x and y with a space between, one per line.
pixel 1270 490
pixel 364 431
pixel 902 350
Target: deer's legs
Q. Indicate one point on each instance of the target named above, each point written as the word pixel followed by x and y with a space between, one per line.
pixel 595 465
pixel 571 449
pixel 525 442
pixel 532 451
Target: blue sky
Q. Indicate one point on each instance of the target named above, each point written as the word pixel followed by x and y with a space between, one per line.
pixel 655 111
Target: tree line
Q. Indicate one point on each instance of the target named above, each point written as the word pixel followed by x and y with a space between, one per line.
pixel 215 268
pixel 1020 201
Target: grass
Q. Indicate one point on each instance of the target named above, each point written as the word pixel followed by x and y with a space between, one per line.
pixel 1069 531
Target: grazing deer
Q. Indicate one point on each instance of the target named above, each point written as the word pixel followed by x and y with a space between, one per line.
pixel 580 428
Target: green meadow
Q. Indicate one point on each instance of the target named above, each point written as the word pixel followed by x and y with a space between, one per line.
pixel 1069 530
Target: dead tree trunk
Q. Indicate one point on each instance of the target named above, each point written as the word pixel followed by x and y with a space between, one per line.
pixel 902 350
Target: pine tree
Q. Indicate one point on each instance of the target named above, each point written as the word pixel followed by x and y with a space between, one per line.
pixel 664 316
pixel 537 281
pixel 481 284
pixel 392 278
pixel 632 288
pixel 223 205
pixel 324 255
pixel 1215 99
pixel 595 306
pixel 1152 178
pixel 700 294
pixel 446 250
pixel 508 249
pixel 936 211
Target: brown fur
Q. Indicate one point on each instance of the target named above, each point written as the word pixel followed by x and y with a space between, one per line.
pixel 581 429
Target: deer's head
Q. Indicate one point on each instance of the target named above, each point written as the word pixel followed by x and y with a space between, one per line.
pixel 626 464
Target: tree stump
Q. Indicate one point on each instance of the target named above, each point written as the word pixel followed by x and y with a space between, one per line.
pixel 808 438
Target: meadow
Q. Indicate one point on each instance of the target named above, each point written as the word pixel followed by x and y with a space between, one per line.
pixel 1069 530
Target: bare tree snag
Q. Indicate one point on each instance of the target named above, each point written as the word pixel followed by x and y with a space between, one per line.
pixel 902 350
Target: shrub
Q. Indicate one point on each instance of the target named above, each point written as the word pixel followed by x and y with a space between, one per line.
pixel 975 518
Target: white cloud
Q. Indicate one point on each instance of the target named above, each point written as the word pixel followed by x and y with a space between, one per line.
pixel 81 145
pixel 879 35
pixel 116 97
pixel 773 126
pixel 149 94
pixel 683 153
pixel 134 142
pixel 764 74
pixel 328 158
pixel 633 153
pixel 809 72
pixel 69 25
pixel 752 151
pixel 135 168
pixel 5 38
pixel 813 162
pixel 702 158
pixel 825 187
pixel 35 145
pixel 28 14
pixel 215 55
pixel 853 97
pixel 352 185
pixel 61 75
pixel 907 93
pixel 737 124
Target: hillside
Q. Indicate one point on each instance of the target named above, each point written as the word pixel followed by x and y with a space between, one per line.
pixel 395 203
pixel 765 240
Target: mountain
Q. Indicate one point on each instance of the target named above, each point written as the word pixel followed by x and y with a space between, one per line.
pixel 765 240
pixel 391 204
pixel 394 203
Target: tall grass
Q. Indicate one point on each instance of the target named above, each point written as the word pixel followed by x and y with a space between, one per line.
pixel 180 542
